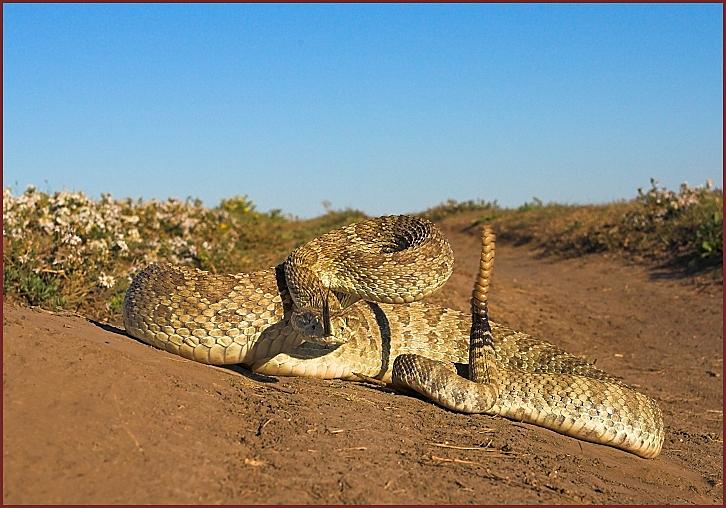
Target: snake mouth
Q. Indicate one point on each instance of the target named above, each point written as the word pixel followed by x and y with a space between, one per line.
pixel 316 327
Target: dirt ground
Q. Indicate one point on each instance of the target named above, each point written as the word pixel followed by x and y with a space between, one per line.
pixel 93 416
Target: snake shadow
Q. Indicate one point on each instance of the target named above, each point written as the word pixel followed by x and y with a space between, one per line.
pixel 114 329
pixel 236 368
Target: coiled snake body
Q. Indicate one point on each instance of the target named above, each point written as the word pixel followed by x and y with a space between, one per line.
pixel 312 316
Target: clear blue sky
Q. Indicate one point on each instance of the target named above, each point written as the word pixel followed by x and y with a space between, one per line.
pixel 385 108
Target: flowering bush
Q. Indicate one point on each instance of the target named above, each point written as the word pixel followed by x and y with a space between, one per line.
pixel 67 250
pixel 688 223
pixel 662 204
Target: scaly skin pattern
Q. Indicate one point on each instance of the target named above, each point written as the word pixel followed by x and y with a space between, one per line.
pixel 215 319
pixel 591 409
pixel 244 319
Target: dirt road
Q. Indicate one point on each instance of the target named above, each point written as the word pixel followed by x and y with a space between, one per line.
pixel 93 416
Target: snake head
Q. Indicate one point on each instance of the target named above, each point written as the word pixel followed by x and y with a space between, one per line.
pixel 328 325
pixel 321 318
pixel 317 327
pixel 316 323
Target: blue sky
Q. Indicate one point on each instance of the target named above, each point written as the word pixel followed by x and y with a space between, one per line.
pixel 385 108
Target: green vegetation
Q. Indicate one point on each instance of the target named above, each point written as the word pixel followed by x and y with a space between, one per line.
pixel 659 226
pixel 64 250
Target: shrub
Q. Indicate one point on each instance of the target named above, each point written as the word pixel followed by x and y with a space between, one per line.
pixel 67 250
pixel 683 227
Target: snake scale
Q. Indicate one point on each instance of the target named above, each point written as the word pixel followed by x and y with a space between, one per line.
pixel 347 305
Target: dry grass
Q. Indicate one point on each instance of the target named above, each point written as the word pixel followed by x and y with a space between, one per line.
pixel 662 226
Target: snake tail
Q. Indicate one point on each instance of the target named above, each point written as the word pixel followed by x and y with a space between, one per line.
pixel 481 331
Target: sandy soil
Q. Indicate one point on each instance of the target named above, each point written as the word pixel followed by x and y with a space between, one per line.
pixel 93 416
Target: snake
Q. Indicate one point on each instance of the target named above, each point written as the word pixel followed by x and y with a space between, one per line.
pixel 350 304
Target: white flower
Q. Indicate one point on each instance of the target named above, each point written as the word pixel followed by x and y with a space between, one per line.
pixel 46 224
pixel 106 281
pixel 122 245
pixel 99 245
pixel 60 220
pixel 134 235
pixel 71 239
pixel 188 224
pixel 8 199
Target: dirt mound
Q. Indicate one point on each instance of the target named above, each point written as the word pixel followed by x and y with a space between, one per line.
pixel 93 416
